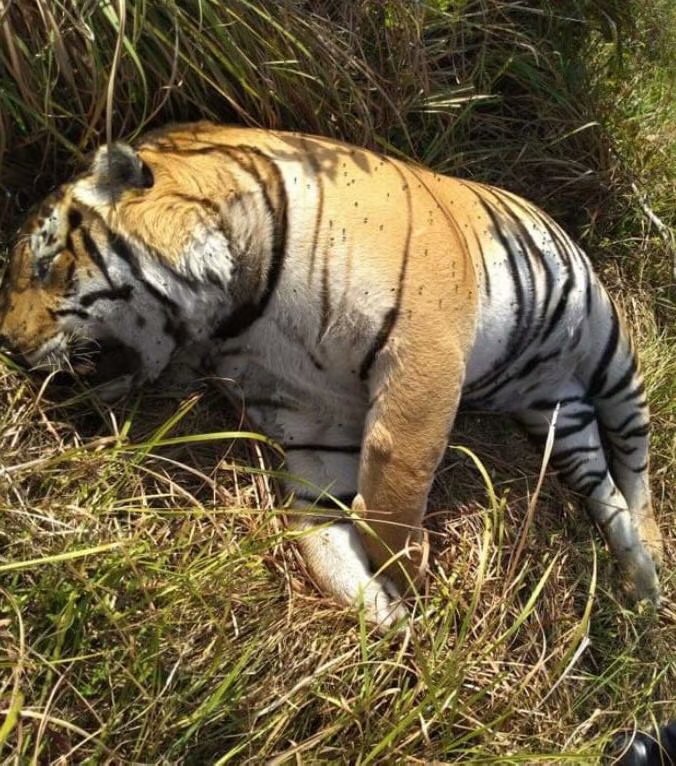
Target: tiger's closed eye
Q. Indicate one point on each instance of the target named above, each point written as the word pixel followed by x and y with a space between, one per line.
pixel 43 266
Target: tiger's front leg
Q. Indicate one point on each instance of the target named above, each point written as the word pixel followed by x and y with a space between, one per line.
pixel 415 391
pixel 330 544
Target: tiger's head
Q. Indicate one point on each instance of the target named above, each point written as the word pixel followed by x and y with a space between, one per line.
pixel 114 271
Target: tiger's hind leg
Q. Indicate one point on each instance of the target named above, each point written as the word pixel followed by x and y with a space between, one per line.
pixel 623 415
pixel 580 459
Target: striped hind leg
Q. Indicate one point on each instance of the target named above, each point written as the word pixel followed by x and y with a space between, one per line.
pixel 614 385
pixel 579 457
pixel 623 415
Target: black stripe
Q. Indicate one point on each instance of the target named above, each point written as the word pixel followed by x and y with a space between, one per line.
pixel 562 244
pixel 491 379
pixel 237 322
pixel 623 448
pixel 637 432
pixel 325 298
pixel 345 498
pixel 276 210
pixel 583 418
pixel 623 382
pixel 522 373
pixel 121 293
pixel 566 472
pixel 269 403
pixel 70 275
pixel 457 229
pixel 587 489
pixel 347 448
pixel 123 250
pixel 480 248
pixel 598 378
pixel 517 333
pixel 191 151
pixel 534 362
pixel 565 246
pixel 565 454
pixel 638 391
pixel 560 307
pixel 209 204
pixel 95 255
pixel 317 170
pixel 246 314
pixel 577 339
pixel 487 274
pixel 391 316
pixel 619 428
pixel 595 478
pixel 69 312
pixel 454 226
pixel 215 279
pixel 528 248
pixel 176 329
pixel 634 469
pixel 589 295
pixel 315 362
pixel 74 218
pixel 379 341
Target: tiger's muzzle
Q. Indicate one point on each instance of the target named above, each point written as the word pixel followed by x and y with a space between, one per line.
pixel 96 363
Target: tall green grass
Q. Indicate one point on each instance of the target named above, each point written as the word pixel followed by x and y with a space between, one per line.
pixel 152 609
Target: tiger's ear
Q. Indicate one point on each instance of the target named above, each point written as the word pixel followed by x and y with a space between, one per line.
pixel 117 168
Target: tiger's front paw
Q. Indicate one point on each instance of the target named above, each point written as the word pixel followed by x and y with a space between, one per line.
pixel 383 605
pixel 337 561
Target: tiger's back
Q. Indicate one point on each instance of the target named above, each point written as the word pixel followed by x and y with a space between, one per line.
pixel 353 298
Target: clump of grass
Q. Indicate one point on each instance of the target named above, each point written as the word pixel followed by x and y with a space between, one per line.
pixel 152 607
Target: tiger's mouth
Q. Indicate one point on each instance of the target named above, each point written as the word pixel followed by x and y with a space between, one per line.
pixel 100 362
pixel 95 362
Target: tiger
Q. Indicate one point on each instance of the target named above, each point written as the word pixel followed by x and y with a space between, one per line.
pixel 354 299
